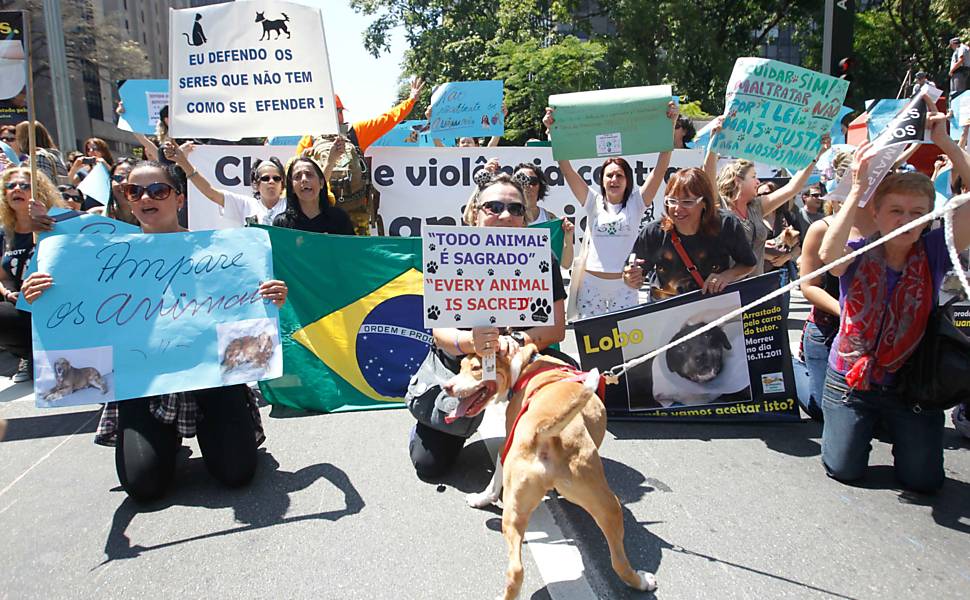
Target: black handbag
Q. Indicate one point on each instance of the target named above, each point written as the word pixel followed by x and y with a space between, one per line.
pixel 937 375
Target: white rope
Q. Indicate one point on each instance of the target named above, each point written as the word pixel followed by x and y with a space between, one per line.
pixel 947 212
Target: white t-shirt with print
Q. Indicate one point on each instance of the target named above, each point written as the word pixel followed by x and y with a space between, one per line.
pixel 614 231
pixel 238 207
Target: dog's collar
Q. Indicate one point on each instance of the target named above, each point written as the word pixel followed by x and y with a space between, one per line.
pixel 515 387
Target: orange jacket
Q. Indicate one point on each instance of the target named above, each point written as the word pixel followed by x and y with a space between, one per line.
pixel 370 130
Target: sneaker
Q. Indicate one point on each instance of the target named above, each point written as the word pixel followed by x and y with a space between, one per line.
pixel 25 371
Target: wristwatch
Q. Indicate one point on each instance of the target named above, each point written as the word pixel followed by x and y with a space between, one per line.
pixel 519 337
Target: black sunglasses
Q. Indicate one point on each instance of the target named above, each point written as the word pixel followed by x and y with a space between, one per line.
pixel 13 185
pixel 8 139
pixel 496 207
pixel 814 194
pixel 527 179
pixel 118 178
pixel 273 178
pixel 155 191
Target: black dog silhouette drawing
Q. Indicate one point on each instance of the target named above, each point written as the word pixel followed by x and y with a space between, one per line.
pixel 198 36
pixel 278 25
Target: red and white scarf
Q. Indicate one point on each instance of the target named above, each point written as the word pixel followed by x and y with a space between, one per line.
pixel 875 336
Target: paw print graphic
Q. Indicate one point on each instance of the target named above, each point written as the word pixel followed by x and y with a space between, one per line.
pixel 460 272
pixel 491 272
pixel 540 310
pixel 741 137
pixel 432 247
pixel 458 317
pixel 431 267
pixel 518 272
pixel 543 267
pixel 491 320
pixel 778 146
pixel 522 316
pixel 433 313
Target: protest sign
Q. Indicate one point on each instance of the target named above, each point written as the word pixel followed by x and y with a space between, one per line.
pixel 137 315
pixel 227 168
pixel 616 122
pixel 909 125
pixel 740 370
pixel 880 113
pixel 234 77
pixel 836 133
pixel 467 108
pixel 405 133
pixel 97 184
pixel 777 113
pixel 72 221
pixel 143 99
pixel 13 68
pixel 486 276
pixel 960 117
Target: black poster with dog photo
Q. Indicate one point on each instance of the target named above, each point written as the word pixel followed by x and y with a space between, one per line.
pixel 740 370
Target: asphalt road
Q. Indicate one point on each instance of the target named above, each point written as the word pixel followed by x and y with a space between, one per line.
pixel 717 511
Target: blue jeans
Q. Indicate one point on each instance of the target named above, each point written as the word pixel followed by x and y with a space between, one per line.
pixel 816 362
pixel 851 416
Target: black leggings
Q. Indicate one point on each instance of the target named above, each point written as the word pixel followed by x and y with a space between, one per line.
pixel 14 330
pixel 146 448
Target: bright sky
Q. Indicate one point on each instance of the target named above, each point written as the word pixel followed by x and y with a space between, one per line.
pixel 367 86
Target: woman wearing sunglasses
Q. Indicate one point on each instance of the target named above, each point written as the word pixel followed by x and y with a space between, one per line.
pixel 694 246
pixel 267 181
pixel 613 222
pixel 72 198
pixel 147 432
pixel 95 151
pixel 435 445
pixel 17 244
pixel 309 206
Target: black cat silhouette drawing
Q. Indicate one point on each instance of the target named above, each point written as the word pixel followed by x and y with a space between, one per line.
pixel 198 36
pixel 278 25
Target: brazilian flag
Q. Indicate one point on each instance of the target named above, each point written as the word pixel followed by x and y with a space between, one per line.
pixel 352 327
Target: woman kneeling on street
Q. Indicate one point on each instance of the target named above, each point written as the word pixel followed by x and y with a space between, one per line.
pixel 886 296
pixel 147 432
pixel 435 446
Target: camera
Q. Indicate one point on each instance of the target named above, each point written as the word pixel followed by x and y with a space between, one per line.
pixel 89 161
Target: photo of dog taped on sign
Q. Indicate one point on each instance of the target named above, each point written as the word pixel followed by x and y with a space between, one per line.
pixel 711 368
pixel 72 377
pixel 249 350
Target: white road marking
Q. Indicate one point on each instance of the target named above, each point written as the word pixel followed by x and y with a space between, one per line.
pixel 46 456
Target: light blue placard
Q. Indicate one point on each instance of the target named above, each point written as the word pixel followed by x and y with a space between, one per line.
pixel 961 113
pixel 405 133
pixel 942 187
pixel 143 99
pixel 427 141
pixel 72 221
pixel 467 108
pixel 777 113
pixel 154 313
pixel 881 112
pixel 11 154
pixel 286 140
pixel 97 184
pixel 836 134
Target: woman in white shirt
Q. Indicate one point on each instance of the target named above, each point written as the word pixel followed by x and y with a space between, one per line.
pixel 267 181
pixel 613 222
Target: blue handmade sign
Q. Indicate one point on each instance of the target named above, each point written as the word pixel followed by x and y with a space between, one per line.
pixel 777 113
pixel 960 117
pixel 881 112
pixel 405 133
pixel 72 221
pixel 137 315
pixel 143 99
pixel 467 108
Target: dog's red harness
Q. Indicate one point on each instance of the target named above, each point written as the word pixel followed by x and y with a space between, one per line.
pixel 576 375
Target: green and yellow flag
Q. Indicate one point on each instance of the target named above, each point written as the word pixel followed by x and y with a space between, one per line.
pixel 352 327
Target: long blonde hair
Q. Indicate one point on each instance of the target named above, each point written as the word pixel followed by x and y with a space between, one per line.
pixel 729 181
pixel 42 190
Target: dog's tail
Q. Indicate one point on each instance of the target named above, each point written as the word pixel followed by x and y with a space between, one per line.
pixel 285 18
pixel 553 426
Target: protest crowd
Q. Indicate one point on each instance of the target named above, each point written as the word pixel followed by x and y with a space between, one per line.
pixel 715 226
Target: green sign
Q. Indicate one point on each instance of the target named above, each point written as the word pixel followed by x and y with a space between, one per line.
pixel 611 122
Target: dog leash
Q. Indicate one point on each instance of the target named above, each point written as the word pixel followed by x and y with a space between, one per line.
pixel 576 376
